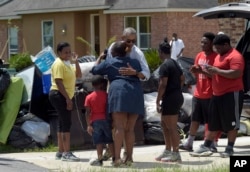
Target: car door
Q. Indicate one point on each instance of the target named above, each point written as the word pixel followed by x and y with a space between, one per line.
pixel 235 10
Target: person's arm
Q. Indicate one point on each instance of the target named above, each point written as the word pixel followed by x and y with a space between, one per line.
pixel 161 90
pixel 182 48
pixel 87 116
pixel 100 58
pixel 178 55
pixel 61 88
pixel 77 66
pixel 144 74
pixel 231 74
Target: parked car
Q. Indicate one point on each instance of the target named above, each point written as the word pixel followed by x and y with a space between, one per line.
pixel 237 10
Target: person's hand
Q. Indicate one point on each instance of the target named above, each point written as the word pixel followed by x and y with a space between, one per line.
pixel 90 130
pixel 195 69
pixel 127 70
pixel 212 70
pixel 102 55
pixel 69 104
pixel 74 57
pixel 158 107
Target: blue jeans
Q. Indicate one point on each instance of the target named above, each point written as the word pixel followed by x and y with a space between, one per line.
pixel 102 132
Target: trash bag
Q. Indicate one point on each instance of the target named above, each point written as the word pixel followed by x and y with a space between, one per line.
pixel 153 133
pixel 18 139
pixel 151 85
pixel 185 64
pixel 39 131
pixel 5 82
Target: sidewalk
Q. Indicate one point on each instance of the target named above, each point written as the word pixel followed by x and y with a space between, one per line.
pixel 143 159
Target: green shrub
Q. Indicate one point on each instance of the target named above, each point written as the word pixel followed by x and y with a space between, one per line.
pixel 152 58
pixel 20 61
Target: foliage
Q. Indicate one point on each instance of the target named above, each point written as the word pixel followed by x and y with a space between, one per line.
pixel 20 61
pixel 87 43
pixel 152 58
pixel 110 41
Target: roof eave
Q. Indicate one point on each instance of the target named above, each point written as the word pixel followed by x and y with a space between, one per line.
pixel 10 17
pixel 152 10
pixel 53 10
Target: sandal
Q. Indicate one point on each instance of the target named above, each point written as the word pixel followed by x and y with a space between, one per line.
pixel 128 163
pixel 119 163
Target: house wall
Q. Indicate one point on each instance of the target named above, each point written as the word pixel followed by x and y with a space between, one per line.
pixel 233 27
pixel 4 24
pixel 189 29
pixel 32 30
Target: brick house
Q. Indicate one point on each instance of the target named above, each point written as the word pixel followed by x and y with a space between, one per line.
pixel 30 26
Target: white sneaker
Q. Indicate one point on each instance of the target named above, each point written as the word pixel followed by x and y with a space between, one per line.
pixel 174 157
pixel 164 154
pixel 201 151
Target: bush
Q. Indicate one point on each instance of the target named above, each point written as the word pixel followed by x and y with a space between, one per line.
pixel 152 58
pixel 20 61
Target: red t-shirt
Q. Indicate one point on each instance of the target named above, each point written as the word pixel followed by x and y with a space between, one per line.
pixel 203 89
pixel 231 60
pixel 97 101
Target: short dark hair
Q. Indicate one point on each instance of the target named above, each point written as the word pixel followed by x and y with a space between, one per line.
pixel 119 48
pixel 165 47
pixel 221 39
pixel 61 45
pixel 99 80
pixel 209 35
pixel 174 34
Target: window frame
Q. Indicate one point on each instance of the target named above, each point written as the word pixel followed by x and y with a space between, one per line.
pixel 12 51
pixel 52 35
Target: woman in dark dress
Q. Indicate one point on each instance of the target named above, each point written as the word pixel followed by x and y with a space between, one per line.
pixel 125 97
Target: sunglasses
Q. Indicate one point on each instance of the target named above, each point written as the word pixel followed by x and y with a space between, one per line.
pixel 131 41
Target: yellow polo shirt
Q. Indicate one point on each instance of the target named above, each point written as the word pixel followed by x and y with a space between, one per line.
pixel 60 70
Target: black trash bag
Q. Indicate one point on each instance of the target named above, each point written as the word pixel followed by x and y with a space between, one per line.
pixel 185 63
pixel 153 133
pixel 5 82
pixel 19 139
pixel 151 85
pixel 183 117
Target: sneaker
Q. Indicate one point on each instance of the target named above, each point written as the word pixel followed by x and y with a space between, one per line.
pixel 58 155
pixel 69 156
pixel 201 151
pixel 106 155
pixel 228 152
pixel 96 162
pixel 174 157
pixel 213 148
pixel 186 147
pixel 164 154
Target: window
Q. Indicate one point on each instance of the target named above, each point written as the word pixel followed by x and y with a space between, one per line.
pixel 13 40
pixel 47 34
pixel 142 25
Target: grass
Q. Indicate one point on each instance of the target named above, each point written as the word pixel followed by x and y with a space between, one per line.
pixel 222 168
pixel 9 149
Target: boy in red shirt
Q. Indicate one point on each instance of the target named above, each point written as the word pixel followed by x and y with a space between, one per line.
pixel 99 127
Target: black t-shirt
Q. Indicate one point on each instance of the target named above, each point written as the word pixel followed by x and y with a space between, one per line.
pixel 171 69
